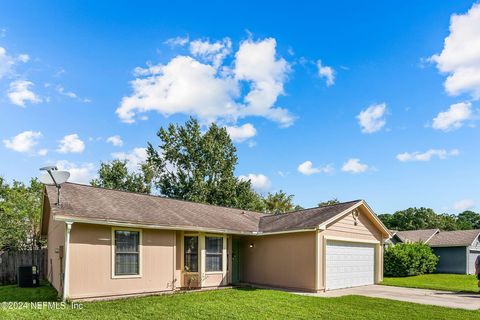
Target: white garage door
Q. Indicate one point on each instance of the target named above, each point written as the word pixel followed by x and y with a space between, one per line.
pixel 349 264
pixel 471 260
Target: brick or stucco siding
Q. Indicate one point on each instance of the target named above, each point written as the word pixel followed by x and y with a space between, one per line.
pixel 283 260
pixel 452 259
pixel 91 263
pixel 56 242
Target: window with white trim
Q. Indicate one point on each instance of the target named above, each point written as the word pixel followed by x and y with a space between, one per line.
pixel 127 252
pixel 213 254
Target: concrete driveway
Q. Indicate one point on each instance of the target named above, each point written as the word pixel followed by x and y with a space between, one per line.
pixel 469 301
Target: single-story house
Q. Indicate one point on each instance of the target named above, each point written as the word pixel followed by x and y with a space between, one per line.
pixel 108 243
pixel 457 250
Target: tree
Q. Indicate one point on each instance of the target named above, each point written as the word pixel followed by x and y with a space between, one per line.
pixel 328 202
pixel 468 220
pixel 190 165
pixel 20 215
pixel 411 219
pixel 115 175
pixel 279 202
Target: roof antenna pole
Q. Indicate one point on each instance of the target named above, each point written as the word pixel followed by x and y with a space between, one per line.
pixel 57 178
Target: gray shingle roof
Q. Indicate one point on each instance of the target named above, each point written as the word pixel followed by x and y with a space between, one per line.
pixel 416 235
pixel 458 238
pixel 87 202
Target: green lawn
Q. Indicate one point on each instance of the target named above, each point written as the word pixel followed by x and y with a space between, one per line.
pixel 232 304
pixel 448 282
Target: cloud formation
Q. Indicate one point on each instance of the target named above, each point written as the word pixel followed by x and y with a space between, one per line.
pixel 460 57
pixel 427 155
pixel 134 158
pixel 241 133
pixel 71 144
pixel 326 72
pixel 306 168
pixel 19 93
pixel 354 166
pixel 260 182
pixel 454 117
pixel 372 119
pixel 23 142
pixel 200 84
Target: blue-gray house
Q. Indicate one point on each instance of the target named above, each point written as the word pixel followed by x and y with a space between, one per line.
pixel 457 250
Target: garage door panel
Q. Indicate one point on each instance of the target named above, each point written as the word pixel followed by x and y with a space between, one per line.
pixel 349 264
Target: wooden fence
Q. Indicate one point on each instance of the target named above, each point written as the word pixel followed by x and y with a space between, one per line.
pixel 10 261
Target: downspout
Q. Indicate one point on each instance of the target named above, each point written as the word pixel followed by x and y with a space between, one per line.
pixel 66 274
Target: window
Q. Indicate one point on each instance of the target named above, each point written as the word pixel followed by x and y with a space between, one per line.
pixel 191 253
pixel 127 252
pixel 214 254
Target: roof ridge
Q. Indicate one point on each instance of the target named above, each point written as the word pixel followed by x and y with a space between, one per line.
pixel 311 208
pixel 164 197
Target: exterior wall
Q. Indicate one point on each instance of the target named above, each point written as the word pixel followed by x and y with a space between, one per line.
pixel 452 259
pixel 283 260
pixel 91 263
pixel 346 229
pixel 202 278
pixel 56 245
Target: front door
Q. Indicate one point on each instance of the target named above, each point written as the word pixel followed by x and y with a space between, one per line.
pixel 235 260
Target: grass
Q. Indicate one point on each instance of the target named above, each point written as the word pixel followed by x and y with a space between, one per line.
pixel 448 282
pixel 13 293
pixel 233 304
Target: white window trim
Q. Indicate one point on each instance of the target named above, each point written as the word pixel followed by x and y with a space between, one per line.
pixel 223 270
pixel 140 254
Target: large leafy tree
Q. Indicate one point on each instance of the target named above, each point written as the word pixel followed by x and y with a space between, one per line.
pixel 279 202
pixel 190 165
pixel 412 219
pixel 20 215
pixel 468 220
pixel 115 175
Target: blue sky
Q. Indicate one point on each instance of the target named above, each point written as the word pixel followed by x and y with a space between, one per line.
pixel 375 100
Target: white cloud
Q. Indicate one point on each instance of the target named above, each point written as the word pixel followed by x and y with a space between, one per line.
pixel 115 141
pixel 462 205
pixel 6 62
pixel 372 119
pixel 78 173
pixel 71 144
pixel 134 158
pixel 23 142
pixel 326 72
pixel 186 85
pixel 354 166
pixel 42 152
pixel 3 32
pixel 177 41
pixel 23 58
pixel 259 182
pixel 213 52
pixel 241 133
pixel 20 92
pixel 454 117
pixel 427 155
pixel 307 168
pixel 60 89
pixel 460 57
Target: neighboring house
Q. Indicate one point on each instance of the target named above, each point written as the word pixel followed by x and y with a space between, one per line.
pixel 457 250
pixel 422 236
pixel 107 243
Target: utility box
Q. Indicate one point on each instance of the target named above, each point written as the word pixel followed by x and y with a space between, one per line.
pixel 28 277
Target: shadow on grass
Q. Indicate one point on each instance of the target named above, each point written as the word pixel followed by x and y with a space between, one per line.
pixel 12 293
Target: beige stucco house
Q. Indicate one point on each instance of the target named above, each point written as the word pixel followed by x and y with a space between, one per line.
pixel 106 243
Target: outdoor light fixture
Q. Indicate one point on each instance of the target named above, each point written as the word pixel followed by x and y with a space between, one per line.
pixel 251 245
pixel 355 215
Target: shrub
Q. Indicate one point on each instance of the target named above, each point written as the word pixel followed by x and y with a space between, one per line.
pixel 409 259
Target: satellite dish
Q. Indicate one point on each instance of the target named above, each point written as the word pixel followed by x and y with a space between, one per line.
pixel 54 178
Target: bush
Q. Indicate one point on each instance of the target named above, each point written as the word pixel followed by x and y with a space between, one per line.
pixel 409 259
